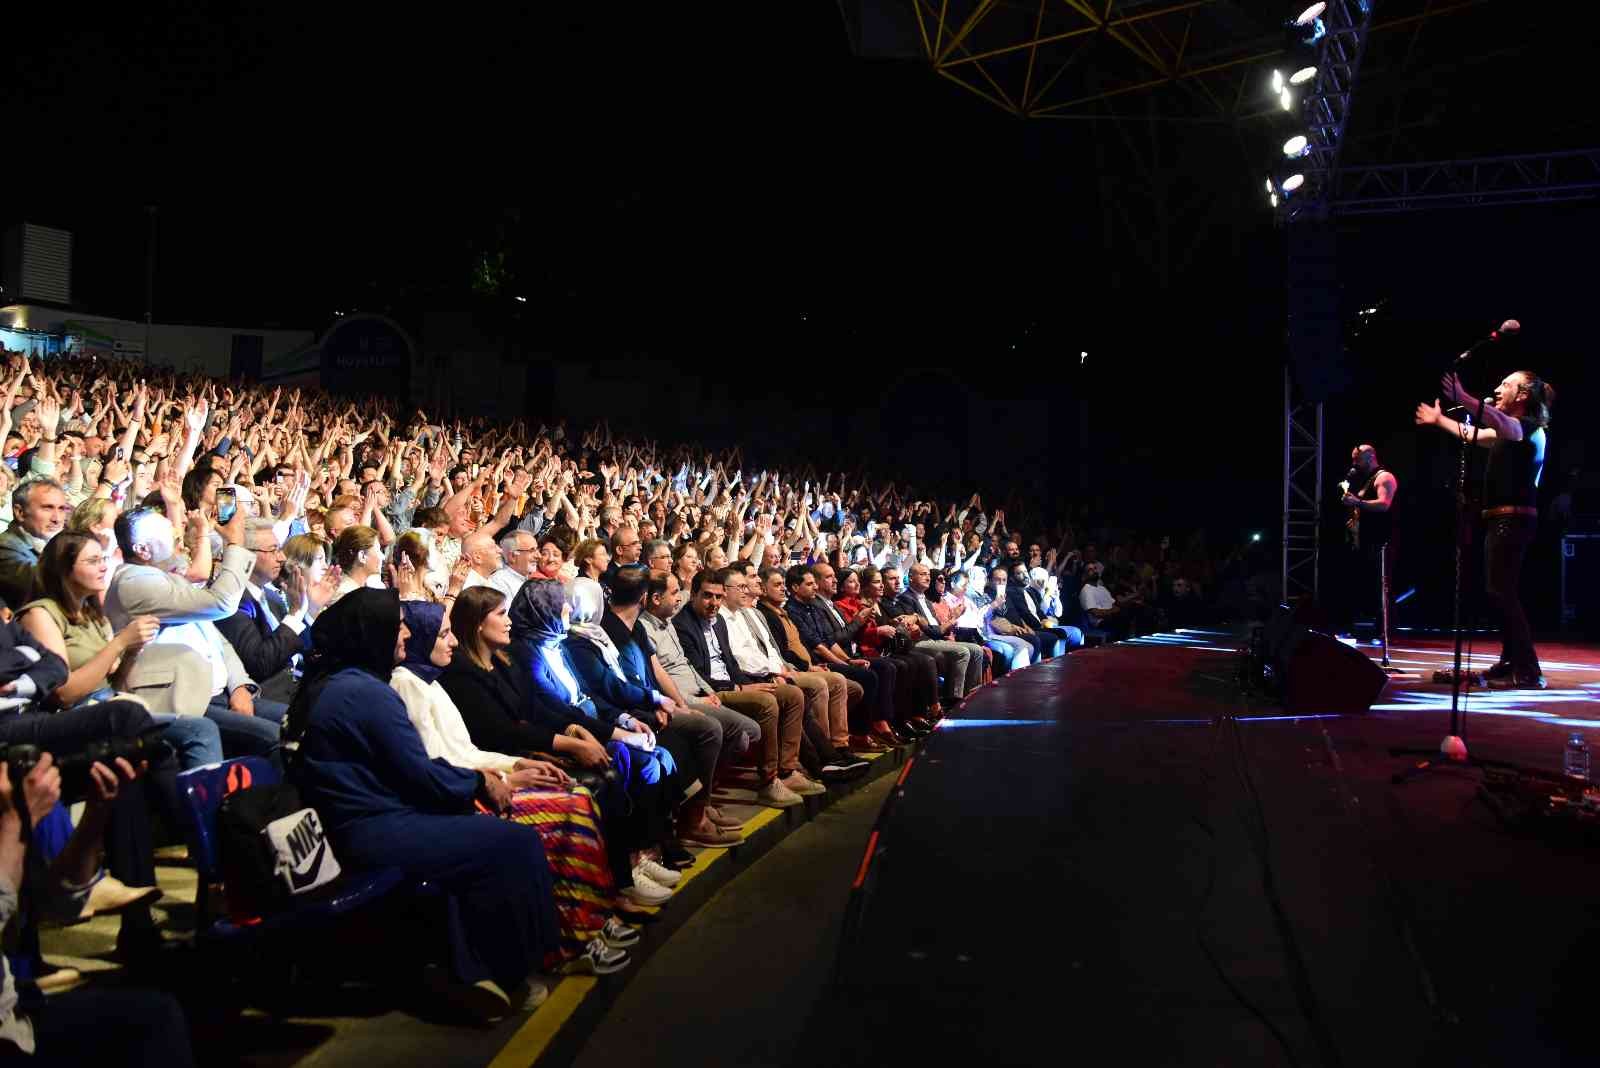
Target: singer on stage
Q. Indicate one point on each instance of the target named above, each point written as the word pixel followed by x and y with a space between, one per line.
pixel 1512 429
pixel 1370 493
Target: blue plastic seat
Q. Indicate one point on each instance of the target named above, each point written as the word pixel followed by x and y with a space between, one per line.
pixel 202 790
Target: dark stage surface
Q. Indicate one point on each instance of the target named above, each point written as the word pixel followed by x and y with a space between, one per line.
pixel 1073 868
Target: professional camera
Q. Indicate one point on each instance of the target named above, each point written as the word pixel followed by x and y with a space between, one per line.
pixel 20 758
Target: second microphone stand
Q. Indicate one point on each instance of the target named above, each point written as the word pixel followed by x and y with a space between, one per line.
pixel 1453 750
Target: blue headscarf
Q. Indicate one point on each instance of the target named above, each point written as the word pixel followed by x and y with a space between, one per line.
pixel 536 613
pixel 424 621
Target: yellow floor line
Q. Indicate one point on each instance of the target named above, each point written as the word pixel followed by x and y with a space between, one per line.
pixel 534 1037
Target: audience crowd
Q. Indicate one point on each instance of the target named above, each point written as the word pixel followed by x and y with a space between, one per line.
pixel 587 633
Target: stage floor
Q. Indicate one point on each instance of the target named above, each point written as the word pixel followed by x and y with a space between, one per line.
pixel 1117 855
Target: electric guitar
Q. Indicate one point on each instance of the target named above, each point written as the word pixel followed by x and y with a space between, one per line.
pixel 1352 522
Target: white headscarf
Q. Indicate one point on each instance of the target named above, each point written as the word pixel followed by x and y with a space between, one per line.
pixel 588 603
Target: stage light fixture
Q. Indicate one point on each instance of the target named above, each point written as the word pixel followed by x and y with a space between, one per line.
pixel 1303 75
pixel 1270 187
pixel 1286 98
pixel 1277 82
pixel 1273 199
pixel 1296 146
pixel 1293 182
pixel 1310 14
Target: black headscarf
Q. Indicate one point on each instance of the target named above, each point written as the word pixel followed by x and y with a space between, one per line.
pixel 359 630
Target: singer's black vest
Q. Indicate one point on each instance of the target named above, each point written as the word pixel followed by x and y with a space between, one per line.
pixel 1511 477
pixel 1376 527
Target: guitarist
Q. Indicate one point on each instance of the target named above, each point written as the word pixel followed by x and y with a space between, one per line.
pixel 1370 497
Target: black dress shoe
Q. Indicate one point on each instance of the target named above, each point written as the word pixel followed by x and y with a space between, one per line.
pixel 1518 682
pixel 674 855
pixel 1502 670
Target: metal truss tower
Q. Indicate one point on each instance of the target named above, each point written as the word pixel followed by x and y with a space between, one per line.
pixel 1302 493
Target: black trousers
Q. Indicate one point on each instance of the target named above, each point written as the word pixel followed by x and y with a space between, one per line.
pixel 1359 585
pixel 1505 546
pixel 130 850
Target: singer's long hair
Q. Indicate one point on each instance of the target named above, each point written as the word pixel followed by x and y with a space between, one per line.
pixel 1541 398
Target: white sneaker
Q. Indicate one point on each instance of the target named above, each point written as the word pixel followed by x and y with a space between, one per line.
pixel 776 795
pixel 657 873
pixel 797 782
pixel 645 891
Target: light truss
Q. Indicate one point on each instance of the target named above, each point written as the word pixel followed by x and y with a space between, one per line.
pixel 1074 59
pixel 1467 183
pixel 1302 493
pixel 1327 107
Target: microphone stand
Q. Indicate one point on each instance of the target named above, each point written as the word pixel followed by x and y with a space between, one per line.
pixel 1453 750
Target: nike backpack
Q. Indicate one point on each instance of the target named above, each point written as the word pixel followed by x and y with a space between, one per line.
pixel 272 849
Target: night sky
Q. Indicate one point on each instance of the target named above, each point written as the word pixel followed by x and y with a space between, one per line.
pixel 698 194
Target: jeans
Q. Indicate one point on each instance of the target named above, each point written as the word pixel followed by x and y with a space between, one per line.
pixel 197 740
pixel 1505 545
pixel 244 735
pixel 1014 653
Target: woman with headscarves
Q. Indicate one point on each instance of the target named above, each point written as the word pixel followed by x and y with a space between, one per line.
pixel 543 796
pixel 384 804
pixel 514 702
pixel 618 680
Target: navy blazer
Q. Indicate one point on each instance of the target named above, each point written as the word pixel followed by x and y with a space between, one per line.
pixel 691 634
pixel 904 603
pixel 613 695
pixel 263 652
pixel 1021 606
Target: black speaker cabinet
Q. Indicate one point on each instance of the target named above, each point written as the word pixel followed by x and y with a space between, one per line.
pixel 1316 673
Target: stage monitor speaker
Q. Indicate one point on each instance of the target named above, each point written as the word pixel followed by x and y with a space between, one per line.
pixel 1316 673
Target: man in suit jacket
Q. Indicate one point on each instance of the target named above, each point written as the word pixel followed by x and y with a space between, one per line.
pixel 190 669
pixel 961 663
pixel 1024 606
pixel 269 630
pixel 704 636
pixel 39 506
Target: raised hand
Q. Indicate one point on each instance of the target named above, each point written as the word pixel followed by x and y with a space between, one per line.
pixel 194 417
pixel 1429 414
pixel 320 592
pixel 49 415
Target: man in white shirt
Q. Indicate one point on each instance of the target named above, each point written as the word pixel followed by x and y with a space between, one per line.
pixel 760 656
pixel 1097 601
pixel 487 561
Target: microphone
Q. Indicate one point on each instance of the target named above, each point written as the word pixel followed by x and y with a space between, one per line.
pixel 1509 328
